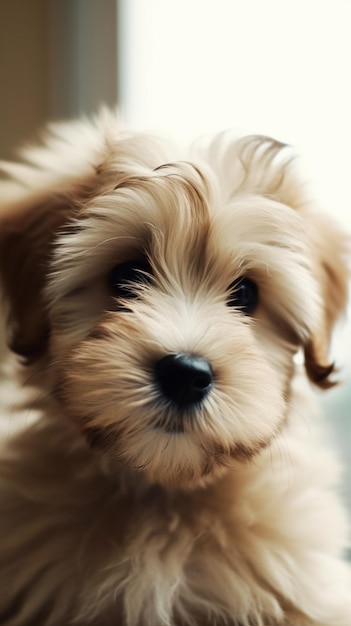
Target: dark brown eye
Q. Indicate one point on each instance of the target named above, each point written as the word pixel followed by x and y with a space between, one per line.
pixel 124 278
pixel 243 295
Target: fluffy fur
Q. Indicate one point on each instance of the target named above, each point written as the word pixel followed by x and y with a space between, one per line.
pixel 119 508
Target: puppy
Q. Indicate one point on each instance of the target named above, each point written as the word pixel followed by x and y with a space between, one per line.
pixel 167 469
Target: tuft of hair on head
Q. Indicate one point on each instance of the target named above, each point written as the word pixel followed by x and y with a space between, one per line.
pixel 260 165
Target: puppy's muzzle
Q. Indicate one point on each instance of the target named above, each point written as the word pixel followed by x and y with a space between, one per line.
pixel 184 379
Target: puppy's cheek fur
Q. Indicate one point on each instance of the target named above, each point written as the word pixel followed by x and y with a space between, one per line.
pixel 107 387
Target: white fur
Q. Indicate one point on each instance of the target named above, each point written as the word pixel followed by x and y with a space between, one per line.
pixel 234 519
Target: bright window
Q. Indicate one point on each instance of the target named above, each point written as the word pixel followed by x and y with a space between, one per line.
pixel 278 67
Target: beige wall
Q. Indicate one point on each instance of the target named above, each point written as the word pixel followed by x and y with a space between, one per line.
pixel 24 70
pixel 24 93
pixel 58 58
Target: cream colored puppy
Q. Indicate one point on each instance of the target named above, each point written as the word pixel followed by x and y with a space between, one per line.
pixel 168 471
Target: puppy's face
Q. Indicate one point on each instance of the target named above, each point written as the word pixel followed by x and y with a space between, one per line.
pixel 174 313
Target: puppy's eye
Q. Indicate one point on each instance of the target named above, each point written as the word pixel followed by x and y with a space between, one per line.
pixel 243 295
pixel 125 277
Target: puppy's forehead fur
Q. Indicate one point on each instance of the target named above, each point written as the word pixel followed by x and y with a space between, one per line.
pixel 176 217
pixel 164 214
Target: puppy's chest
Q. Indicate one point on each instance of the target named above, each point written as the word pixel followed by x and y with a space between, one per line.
pixel 179 551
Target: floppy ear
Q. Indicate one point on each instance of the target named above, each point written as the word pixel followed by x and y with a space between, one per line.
pixel 273 172
pixel 331 253
pixel 38 198
pixel 330 247
pixel 28 229
pixel 263 166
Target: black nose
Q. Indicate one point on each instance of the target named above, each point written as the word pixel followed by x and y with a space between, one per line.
pixel 183 378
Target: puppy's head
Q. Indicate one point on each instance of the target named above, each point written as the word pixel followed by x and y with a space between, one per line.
pixel 169 297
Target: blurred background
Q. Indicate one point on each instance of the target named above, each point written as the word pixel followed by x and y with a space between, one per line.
pixel 187 67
